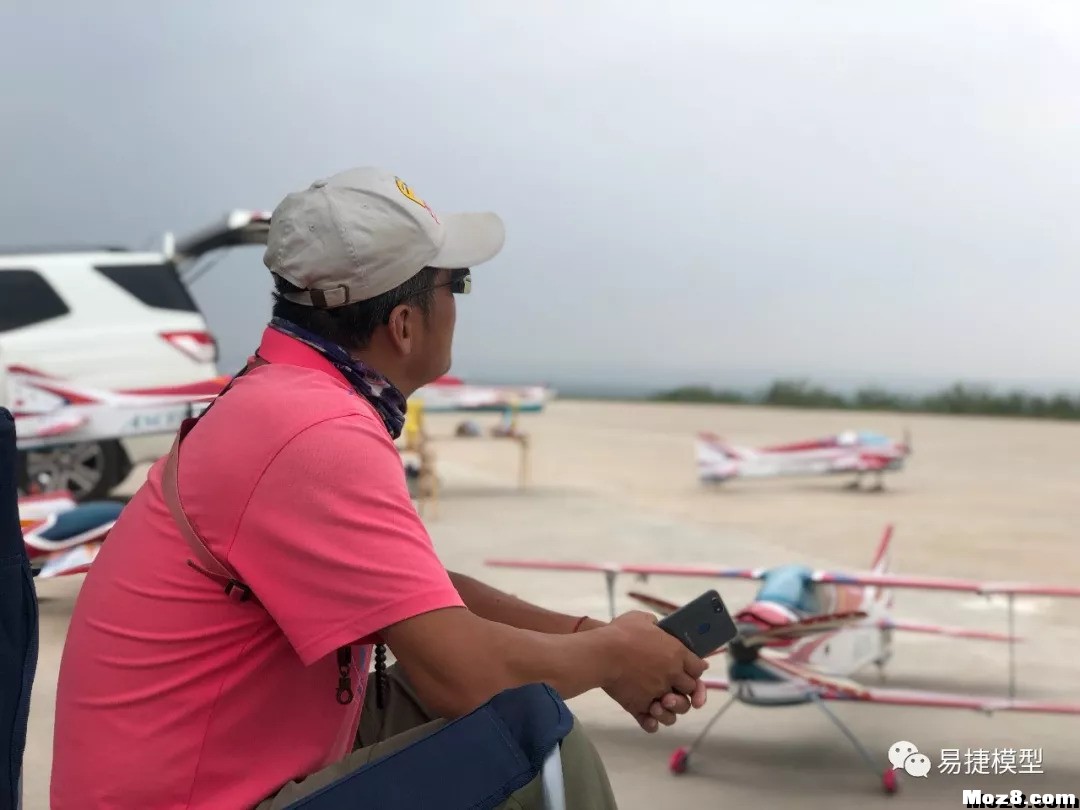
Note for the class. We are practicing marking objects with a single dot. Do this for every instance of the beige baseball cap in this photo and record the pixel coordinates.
(363, 232)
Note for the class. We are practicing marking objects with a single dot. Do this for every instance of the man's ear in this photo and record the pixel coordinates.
(402, 327)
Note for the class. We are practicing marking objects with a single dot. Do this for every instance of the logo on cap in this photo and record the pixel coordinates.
(408, 192)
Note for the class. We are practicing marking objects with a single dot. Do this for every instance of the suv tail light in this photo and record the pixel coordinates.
(199, 346)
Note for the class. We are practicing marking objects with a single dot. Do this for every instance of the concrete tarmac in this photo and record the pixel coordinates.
(982, 498)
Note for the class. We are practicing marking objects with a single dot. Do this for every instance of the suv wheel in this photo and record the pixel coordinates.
(88, 470)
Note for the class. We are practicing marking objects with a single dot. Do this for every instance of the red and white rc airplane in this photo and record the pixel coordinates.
(51, 411)
(852, 452)
(62, 537)
(807, 632)
(449, 393)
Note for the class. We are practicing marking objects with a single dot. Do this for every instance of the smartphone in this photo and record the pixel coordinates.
(703, 625)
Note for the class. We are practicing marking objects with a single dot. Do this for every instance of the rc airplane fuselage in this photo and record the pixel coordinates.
(49, 411)
(808, 632)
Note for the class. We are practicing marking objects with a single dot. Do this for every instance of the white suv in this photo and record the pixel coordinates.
(113, 319)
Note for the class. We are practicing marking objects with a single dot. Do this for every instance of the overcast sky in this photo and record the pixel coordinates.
(721, 192)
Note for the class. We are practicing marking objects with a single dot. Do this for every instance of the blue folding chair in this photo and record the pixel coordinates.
(472, 763)
(18, 625)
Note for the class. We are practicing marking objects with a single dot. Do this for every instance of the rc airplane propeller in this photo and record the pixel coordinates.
(807, 632)
(849, 453)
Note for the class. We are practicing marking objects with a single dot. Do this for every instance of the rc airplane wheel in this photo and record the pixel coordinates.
(888, 781)
(677, 763)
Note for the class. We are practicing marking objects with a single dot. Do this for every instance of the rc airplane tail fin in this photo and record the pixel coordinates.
(880, 565)
(716, 459)
(717, 444)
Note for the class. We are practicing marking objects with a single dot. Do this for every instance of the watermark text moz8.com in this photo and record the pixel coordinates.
(1018, 798)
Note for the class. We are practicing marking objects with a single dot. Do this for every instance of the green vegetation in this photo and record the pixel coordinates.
(957, 399)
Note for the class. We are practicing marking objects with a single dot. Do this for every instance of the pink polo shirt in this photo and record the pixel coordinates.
(171, 695)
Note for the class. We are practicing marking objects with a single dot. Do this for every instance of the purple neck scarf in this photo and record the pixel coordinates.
(369, 383)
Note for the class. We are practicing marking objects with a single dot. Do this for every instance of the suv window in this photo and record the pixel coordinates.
(27, 298)
(156, 285)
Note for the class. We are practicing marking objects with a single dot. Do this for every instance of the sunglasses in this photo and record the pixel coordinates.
(460, 282)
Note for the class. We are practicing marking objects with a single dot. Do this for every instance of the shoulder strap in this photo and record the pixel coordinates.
(235, 588)
(212, 567)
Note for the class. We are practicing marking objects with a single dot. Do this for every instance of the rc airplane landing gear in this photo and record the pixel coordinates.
(888, 777)
(878, 485)
(888, 781)
(680, 756)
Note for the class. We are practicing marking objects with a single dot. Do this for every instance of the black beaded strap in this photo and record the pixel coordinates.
(380, 674)
(344, 689)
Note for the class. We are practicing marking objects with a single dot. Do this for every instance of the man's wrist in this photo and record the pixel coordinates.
(587, 623)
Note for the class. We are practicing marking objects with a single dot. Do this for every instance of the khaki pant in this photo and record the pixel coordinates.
(403, 719)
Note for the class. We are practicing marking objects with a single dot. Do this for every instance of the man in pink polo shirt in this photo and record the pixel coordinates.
(219, 650)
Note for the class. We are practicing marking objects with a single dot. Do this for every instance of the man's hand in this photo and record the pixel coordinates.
(497, 606)
(665, 710)
(653, 672)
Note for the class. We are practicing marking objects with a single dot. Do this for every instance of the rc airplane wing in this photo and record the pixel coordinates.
(612, 570)
(654, 603)
(664, 608)
(864, 579)
(833, 688)
(807, 627)
(943, 584)
(643, 570)
(939, 630)
(786, 632)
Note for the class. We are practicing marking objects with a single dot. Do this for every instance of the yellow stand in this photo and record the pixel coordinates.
(417, 441)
